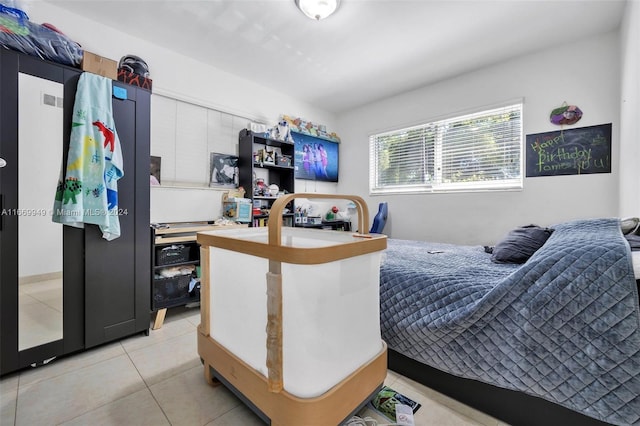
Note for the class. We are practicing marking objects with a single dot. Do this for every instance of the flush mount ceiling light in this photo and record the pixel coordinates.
(317, 9)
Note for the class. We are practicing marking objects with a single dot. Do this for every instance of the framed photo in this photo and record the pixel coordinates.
(155, 170)
(269, 155)
(223, 170)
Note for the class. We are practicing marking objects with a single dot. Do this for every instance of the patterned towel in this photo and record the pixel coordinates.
(88, 192)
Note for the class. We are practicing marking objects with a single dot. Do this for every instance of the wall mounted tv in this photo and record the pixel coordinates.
(315, 158)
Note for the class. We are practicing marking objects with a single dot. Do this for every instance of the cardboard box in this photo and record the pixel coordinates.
(134, 79)
(99, 65)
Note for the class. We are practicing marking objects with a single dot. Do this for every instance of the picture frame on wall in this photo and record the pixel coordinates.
(223, 170)
(154, 178)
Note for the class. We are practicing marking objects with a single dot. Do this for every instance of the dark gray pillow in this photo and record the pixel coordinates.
(629, 225)
(520, 244)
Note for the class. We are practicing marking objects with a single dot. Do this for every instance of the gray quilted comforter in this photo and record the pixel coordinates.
(565, 326)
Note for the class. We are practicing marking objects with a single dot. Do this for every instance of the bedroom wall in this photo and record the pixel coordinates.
(585, 73)
(178, 76)
(630, 111)
(198, 90)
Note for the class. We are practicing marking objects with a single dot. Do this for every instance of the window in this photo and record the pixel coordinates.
(480, 151)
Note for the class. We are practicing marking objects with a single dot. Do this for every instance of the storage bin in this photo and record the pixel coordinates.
(171, 255)
(298, 309)
(169, 292)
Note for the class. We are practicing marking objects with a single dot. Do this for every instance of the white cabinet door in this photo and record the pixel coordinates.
(192, 158)
(163, 135)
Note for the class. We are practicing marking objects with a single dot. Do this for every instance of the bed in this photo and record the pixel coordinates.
(555, 340)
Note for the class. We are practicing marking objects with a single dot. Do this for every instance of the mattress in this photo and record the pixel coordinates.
(331, 313)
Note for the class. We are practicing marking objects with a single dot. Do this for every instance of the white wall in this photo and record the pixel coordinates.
(630, 111)
(584, 74)
(202, 91)
(177, 75)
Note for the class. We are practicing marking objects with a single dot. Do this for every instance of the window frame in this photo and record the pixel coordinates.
(436, 185)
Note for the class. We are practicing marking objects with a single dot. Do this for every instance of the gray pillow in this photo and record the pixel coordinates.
(520, 244)
(629, 225)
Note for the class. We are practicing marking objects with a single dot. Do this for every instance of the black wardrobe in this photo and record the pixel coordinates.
(104, 291)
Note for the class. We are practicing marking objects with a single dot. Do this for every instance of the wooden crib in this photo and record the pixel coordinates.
(290, 317)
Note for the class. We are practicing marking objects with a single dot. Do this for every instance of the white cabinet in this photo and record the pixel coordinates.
(184, 135)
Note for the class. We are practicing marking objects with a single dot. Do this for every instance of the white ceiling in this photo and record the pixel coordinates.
(368, 50)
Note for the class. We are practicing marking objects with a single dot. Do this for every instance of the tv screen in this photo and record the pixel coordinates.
(315, 158)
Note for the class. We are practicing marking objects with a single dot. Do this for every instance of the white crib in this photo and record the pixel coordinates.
(290, 317)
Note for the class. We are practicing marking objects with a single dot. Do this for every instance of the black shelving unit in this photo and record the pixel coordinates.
(252, 166)
(172, 291)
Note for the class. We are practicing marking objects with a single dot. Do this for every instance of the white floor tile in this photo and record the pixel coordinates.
(187, 399)
(167, 358)
(433, 411)
(241, 415)
(139, 409)
(70, 395)
(8, 398)
(70, 363)
(391, 378)
(168, 331)
(158, 380)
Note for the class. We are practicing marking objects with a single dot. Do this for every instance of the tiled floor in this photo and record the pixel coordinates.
(158, 380)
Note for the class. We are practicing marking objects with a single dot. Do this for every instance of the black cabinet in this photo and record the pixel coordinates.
(265, 163)
(104, 285)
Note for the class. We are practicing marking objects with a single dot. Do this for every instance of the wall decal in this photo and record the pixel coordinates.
(566, 114)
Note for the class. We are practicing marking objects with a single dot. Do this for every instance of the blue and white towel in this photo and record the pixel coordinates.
(88, 192)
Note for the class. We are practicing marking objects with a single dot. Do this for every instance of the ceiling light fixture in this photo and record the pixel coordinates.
(317, 9)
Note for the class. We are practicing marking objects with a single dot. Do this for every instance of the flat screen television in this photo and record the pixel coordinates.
(315, 158)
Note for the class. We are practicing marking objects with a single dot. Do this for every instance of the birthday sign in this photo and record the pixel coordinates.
(584, 150)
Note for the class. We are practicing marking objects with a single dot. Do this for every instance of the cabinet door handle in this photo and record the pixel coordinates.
(3, 163)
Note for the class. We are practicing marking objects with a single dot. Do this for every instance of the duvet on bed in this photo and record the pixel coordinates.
(564, 326)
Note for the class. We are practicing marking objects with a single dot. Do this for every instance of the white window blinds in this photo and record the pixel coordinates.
(480, 151)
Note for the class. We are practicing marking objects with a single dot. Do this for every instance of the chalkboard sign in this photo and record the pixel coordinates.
(585, 150)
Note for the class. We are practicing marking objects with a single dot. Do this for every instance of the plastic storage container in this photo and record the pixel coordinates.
(171, 255)
(290, 317)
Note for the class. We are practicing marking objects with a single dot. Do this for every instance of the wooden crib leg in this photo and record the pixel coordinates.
(211, 380)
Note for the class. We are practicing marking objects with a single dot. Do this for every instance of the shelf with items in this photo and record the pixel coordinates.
(175, 261)
(271, 166)
(175, 276)
(335, 225)
(263, 220)
(266, 171)
(264, 197)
